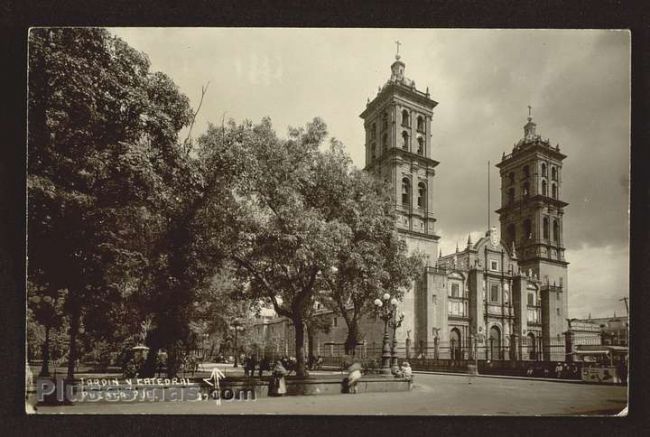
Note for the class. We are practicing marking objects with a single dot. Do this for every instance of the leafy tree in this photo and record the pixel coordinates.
(103, 153)
(285, 238)
(374, 259)
(45, 309)
(195, 241)
(218, 305)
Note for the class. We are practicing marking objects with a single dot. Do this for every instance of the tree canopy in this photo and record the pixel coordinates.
(104, 168)
(136, 225)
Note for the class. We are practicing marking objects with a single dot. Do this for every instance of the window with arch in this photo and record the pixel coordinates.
(531, 299)
(384, 121)
(421, 127)
(420, 146)
(512, 232)
(526, 171)
(373, 131)
(384, 143)
(528, 228)
(405, 118)
(511, 195)
(545, 228)
(511, 177)
(406, 192)
(405, 140)
(554, 173)
(543, 170)
(455, 290)
(544, 189)
(525, 191)
(373, 151)
(554, 191)
(556, 231)
(422, 195)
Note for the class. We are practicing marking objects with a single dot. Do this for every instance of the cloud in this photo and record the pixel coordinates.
(577, 81)
(598, 279)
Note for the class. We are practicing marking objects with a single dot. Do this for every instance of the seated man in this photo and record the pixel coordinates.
(406, 371)
(354, 375)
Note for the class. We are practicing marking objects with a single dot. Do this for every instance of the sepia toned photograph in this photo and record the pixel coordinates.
(327, 221)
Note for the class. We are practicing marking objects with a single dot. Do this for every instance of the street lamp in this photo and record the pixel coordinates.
(386, 307)
(236, 327)
(477, 336)
(395, 323)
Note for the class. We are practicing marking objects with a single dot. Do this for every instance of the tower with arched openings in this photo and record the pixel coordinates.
(531, 217)
(399, 150)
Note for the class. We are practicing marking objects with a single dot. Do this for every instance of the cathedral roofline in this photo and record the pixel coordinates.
(524, 151)
(531, 141)
(392, 88)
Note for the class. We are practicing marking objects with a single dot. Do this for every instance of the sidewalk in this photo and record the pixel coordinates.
(523, 378)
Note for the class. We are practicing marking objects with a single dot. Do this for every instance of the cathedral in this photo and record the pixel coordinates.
(501, 297)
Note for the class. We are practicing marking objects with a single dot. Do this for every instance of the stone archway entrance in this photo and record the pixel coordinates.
(532, 347)
(455, 344)
(495, 343)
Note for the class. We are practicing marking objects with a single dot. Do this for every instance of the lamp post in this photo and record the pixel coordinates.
(236, 327)
(395, 322)
(477, 337)
(385, 308)
(435, 342)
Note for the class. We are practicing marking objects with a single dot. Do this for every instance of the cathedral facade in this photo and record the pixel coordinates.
(502, 297)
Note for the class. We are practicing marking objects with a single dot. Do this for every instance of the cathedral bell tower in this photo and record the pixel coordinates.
(398, 149)
(531, 217)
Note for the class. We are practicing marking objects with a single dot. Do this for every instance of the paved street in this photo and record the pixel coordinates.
(432, 395)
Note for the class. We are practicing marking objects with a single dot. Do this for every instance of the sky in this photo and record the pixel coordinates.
(576, 81)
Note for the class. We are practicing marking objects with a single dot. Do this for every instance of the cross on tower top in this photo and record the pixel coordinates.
(397, 43)
(530, 117)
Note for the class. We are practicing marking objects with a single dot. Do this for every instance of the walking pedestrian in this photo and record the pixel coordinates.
(278, 382)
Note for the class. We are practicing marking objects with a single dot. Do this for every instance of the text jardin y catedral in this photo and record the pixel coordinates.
(134, 381)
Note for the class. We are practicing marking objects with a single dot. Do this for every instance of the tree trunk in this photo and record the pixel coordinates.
(45, 367)
(299, 329)
(75, 315)
(173, 360)
(310, 341)
(148, 369)
(353, 336)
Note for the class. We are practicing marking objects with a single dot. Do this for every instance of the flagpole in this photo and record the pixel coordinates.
(488, 212)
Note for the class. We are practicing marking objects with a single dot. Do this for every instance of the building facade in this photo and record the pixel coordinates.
(503, 297)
